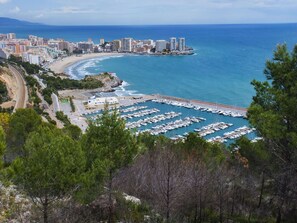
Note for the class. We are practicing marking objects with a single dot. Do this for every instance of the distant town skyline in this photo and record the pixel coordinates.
(134, 12)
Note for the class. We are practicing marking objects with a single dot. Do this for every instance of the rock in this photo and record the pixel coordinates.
(109, 80)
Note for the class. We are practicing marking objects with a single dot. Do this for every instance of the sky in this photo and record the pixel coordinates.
(143, 12)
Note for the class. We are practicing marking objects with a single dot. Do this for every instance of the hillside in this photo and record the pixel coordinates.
(4, 21)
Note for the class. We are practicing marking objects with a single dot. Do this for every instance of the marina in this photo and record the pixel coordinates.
(176, 118)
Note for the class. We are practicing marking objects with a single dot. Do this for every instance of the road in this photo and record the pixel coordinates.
(22, 91)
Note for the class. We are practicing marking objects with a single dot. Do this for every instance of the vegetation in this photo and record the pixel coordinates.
(21, 124)
(3, 92)
(273, 112)
(107, 174)
(33, 87)
(62, 117)
(55, 84)
(58, 83)
(57, 175)
(29, 68)
(109, 143)
(47, 94)
(72, 104)
(8, 110)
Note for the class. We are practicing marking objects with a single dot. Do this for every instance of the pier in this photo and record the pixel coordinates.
(211, 105)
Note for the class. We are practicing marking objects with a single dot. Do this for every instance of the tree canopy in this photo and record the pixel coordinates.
(273, 112)
(51, 168)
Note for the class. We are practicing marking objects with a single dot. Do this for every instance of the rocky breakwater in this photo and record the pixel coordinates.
(109, 81)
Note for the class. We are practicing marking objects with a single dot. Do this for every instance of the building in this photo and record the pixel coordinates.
(173, 44)
(11, 36)
(93, 101)
(31, 58)
(53, 44)
(161, 45)
(4, 54)
(3, 36)
(181, 44)
(102, 41)
(86, 47)
(116, 45)
(126, 45)
(149, 42)
(2, 45)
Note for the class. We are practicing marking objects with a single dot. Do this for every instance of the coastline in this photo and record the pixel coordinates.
(60, 65)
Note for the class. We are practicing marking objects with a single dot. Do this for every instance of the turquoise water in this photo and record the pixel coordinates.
(228, 58)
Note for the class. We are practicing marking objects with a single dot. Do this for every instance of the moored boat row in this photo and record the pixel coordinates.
(154, 119)
(180, 123)
(224, 112)
(140, 113)
(238, 132)
(132, 109)
(212, 128)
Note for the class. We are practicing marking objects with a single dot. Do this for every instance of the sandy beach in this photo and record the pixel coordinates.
(60, 65)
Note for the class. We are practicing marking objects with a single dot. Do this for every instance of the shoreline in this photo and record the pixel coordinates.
(60, 65)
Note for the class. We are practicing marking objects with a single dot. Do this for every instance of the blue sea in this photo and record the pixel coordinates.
(227, 58)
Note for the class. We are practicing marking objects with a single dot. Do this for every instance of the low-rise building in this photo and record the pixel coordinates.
(97, 101)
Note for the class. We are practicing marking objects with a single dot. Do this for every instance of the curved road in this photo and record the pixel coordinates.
(22, 92)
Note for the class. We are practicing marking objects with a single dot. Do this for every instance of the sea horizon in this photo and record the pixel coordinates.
(232, 55)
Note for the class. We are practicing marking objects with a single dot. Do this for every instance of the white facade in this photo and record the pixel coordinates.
(173, 44)
(101, 101)
(160, 45)
(182, 44)
(4, 54)
(127, 44)
(11, 36)
(31, 58)
(34, 59)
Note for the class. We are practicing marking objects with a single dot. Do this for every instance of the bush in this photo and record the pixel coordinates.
(63, 118)
(3, 92)
(72, 104)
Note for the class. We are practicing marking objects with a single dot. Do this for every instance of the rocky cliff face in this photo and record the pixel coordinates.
(109, 80)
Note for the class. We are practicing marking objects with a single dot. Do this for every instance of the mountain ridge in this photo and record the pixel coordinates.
(5, 21)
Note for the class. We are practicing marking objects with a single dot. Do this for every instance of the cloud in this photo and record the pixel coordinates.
(39, 15)
(4, 1)
(73, 10)
(15, 10)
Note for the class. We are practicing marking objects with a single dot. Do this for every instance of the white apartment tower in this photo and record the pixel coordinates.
(11, 36)
(173, 44)
(161, 45)
(181, 44)
(127, 44)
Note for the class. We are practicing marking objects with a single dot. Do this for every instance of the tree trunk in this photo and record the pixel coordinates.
(45, 210)
(110, 204)
(261, 192)
(168, 193)
(200, 203)
(279, 216)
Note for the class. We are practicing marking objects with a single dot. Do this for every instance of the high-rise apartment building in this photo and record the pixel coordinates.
(173, 44)
(127, 45)
(181, 44)
(161, 45)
